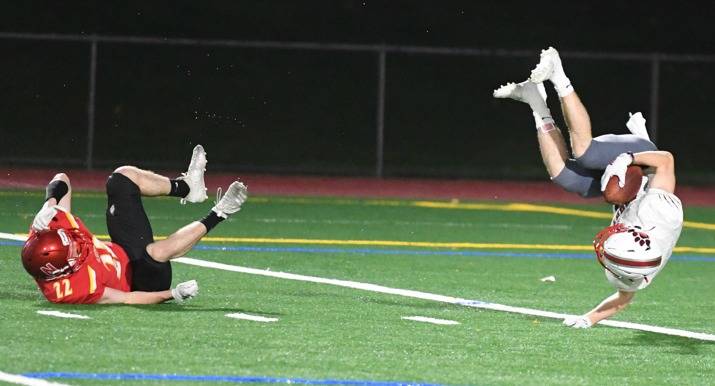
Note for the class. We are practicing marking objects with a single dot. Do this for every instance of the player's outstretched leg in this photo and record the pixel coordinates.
(181, 241)
(575, 114)
(189, 187)
(551, 143)
(532, 94)
(562, 170)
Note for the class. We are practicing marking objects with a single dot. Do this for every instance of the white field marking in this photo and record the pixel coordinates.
(430, 320)
(426, 296)
(255, 318)
(62, 314)
(11, 236)
(438, 298)
(22, 380)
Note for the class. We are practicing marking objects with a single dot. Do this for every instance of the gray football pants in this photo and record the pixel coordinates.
(583, 175)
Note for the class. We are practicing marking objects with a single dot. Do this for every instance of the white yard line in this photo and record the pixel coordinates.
(255, 318)
(22, 380)
(438, 298)
(423, 295)
(60, 314)
(430, 320)
(12, 236)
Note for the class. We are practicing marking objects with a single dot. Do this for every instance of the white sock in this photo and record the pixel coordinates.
(561, 83)
(540, 111)
(539, 108)
(542, 121)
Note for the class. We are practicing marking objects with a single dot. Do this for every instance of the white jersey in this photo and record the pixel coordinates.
(660, 215)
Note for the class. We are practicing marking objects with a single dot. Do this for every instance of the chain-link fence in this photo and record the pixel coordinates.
(346, 109)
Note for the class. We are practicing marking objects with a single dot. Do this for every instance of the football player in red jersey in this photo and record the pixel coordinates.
(644, 231)
(70, 265)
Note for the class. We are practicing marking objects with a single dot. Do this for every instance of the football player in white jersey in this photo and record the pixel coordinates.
(644, 231)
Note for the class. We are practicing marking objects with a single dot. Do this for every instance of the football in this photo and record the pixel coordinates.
(614, 194)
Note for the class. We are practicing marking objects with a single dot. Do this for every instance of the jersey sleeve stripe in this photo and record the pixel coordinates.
(675, 204)
(72, 221)
(92, 280)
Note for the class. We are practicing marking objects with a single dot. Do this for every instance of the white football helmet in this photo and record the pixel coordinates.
(627, 252)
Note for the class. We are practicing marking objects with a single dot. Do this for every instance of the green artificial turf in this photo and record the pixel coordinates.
(329, 332)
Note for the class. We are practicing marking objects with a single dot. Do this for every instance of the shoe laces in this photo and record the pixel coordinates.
(219, 195)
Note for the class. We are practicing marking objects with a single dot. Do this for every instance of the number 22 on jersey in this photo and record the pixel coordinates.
(62, 288)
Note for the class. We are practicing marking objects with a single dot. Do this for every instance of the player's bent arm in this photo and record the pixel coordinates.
(113, 296)
(181, 292)
(610, 306)
(62, 195)
(58, 195)
(664, 165)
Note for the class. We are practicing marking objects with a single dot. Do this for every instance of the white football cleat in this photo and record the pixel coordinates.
(549, 64)
(505, 91)
(636, 125)
(231, 202)
(194, 177)
(521, 92)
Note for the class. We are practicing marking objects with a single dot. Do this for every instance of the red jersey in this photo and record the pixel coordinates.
(110, 268)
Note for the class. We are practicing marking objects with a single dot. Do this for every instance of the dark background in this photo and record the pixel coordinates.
(314, 111)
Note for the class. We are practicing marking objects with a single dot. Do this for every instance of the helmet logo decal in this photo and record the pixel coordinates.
(640, 237)
(63, 236)
(48, 269)
(51, 271)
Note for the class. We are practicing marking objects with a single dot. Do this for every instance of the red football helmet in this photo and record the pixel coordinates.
(54, 253)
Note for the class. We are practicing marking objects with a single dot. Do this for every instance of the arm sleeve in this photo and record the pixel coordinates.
(56, 189)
